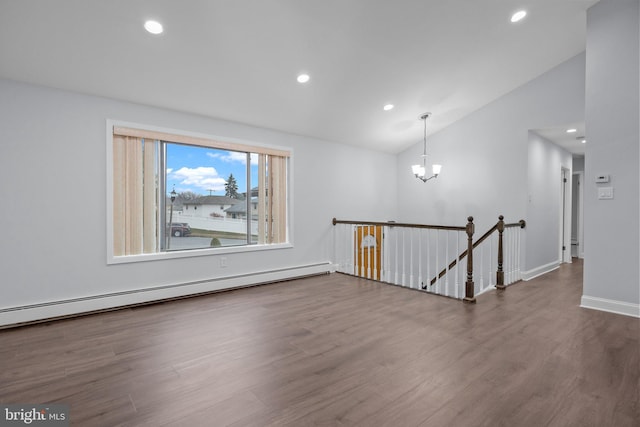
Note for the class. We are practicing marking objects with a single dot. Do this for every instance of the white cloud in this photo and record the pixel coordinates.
(234, 157)
(205, 178)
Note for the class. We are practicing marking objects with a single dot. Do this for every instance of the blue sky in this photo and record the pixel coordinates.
(200, 169)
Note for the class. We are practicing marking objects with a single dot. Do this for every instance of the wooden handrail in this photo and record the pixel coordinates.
(522, 224)
(400, 224)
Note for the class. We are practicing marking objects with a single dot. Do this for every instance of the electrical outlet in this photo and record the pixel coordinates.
(223, 262)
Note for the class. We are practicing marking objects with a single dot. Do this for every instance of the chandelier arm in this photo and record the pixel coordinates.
(423, 179)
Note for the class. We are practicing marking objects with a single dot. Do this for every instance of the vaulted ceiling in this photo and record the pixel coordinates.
(238, 59)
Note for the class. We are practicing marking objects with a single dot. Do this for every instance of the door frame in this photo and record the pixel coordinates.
(578, 177)
(564, 236)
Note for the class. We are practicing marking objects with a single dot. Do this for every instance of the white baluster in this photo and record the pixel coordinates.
(368, 242)
(481, 266)
(518, 243)
(397, 238)
(457, 280)
(359, 253)
(337, 250)
(404, 258)
(438, 290)
(507, 253)
(428, 243)
(446, 262)
(383, 268)
(492, 270)
(376, 275)
(516, 261)
(494, 258)
(420, 278)
(511, 257)
(411, 258)
(338, 247)
(346, 248)
(350, 236)
(513, 260)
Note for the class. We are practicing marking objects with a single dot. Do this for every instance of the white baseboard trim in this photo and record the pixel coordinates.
(485, 290)
(611, 306)
(539, 271)
(74, 306)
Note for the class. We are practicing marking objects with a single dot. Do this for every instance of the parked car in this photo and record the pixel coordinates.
(179, 229)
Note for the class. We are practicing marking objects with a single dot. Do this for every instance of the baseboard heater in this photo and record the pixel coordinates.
(55, 310)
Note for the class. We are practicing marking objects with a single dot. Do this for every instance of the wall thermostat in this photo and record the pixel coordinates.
(602, 179)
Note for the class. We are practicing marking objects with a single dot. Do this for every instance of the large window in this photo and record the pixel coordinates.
(174, 193)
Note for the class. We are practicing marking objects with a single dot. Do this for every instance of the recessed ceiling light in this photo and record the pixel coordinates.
(584, 141)
(572, 130)
(303, 78)
(388, 107)
(154, 27)
(518, 16)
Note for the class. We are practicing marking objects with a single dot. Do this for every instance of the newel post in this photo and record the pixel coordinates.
(469, 285)
(500, 272)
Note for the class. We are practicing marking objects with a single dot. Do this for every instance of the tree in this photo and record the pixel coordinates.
(231, 187)
(187, 195)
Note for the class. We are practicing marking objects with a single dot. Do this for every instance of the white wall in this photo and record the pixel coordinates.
(545, 162)
(485, 155)
(53, 158)
(578, 164)
(205, 211)
(611, 277)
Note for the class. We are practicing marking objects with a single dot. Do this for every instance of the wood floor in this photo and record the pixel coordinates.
(337, 351)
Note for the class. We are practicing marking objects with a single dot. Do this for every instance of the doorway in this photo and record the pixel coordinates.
(565, 216)
(368, 256)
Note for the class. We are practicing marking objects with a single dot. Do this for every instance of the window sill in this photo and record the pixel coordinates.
(194, 253)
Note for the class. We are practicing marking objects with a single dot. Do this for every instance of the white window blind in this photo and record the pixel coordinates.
(135, 196)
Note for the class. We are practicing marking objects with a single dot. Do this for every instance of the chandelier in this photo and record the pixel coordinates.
(420, 171)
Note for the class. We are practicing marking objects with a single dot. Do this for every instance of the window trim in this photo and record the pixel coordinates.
(200, 141)
(205, 140)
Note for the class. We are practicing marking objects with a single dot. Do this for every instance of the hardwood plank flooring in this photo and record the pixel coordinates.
(337, 351)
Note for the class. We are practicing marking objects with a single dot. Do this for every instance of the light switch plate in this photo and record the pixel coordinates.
(605, 193)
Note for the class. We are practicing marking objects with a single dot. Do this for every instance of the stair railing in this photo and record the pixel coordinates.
(405, 255)
(513, 249)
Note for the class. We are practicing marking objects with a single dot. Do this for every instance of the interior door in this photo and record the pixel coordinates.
(368, 254)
